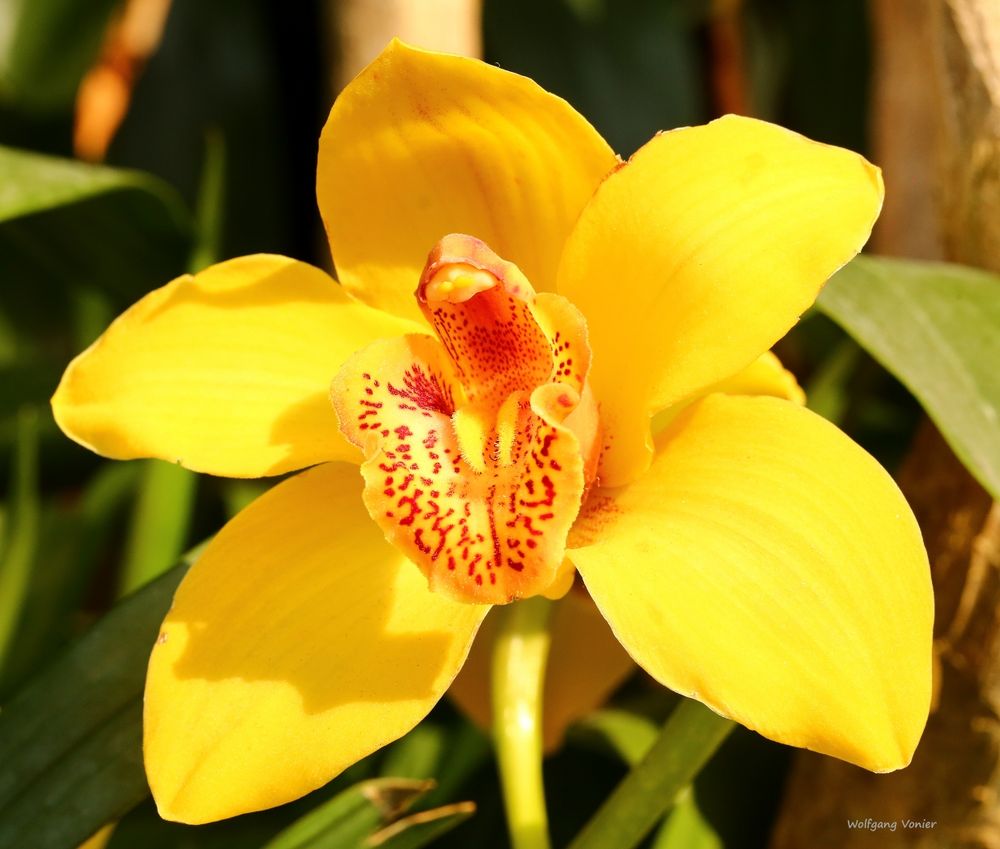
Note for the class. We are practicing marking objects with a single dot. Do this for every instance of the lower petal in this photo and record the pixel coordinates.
(586, 665)
(768, 567)
(299, 643)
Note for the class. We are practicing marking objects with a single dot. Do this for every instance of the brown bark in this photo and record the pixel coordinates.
(937, 131)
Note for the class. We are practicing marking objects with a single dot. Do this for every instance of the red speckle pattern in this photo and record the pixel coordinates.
(483, 505)
(489, 536)
(566, 331)
(495, 344)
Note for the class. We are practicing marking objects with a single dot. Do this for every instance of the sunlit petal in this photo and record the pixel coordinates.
(698, 255)
(298, 643)
(422, 144)
(225, 372)
(770, 568)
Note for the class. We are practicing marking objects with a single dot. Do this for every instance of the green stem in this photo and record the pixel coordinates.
(688, 739)
(519, 657)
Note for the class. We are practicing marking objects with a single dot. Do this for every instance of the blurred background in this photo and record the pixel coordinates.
(217, 108)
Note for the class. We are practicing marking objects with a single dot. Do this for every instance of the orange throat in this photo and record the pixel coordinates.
(480, 444)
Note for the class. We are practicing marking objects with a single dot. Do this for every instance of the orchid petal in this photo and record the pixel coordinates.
(770, 568)
(299, 642)
(423, 144)
(697, 255)
(225, 372)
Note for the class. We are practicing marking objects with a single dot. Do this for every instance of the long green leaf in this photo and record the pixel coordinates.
(160, 522)
(936, 327)
(70, 742)
(418, 830)
(352, 816)
(65, 222)
(689, 738)
(370, 814)
(628, 734)
(45, 48)
(685, 827)
(72, 541)
(21, 537)
(449, 753)
(33, 182)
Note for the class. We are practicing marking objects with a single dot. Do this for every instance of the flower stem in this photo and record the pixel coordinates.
(688, 739)
(518, 677)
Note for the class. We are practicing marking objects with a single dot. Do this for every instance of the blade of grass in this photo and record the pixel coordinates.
(159, 525)
(70, 741)
(74, 538)
(22, 529)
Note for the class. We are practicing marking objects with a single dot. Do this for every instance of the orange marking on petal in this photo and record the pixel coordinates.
(480, 447)
(480, 307)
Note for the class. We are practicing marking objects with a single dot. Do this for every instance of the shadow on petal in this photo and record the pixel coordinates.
(300, 642)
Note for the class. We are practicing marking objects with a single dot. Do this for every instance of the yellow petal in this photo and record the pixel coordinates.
(226, 372)
(698, 255)
(423, 144)
(764, 376)
(299, 642)
(586, 665)
(768, 567)
(100, 838)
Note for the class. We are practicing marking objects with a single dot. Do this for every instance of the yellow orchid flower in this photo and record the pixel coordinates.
(750, 556)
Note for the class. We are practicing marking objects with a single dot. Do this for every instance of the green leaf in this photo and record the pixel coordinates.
(936, 327)
(65, 222)
(210, 203)
(828, 390)
(33, 183)
(160, 522)
(73, 539)
(688, 739)
(685, 827)
(418, 830)
(370, 814)
(70, 741)
(21, 531)
(448, 753)
(351, 816)
(46, 46)
(628, 734)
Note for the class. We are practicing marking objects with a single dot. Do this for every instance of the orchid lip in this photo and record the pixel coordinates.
(479, 443)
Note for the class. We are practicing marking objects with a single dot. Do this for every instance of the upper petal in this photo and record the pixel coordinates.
(298, 643)
(699, 254)
(225, 372)
(768, 567)
(422, 144)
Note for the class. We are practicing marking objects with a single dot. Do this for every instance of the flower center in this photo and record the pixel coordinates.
(481, 443)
